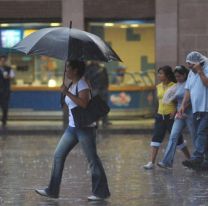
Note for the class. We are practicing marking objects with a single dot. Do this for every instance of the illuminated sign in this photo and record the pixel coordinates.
(10, 37)
(28, 32)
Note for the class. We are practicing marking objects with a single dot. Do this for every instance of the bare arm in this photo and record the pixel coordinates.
(81, 100)
(156, 103)
(185, 102)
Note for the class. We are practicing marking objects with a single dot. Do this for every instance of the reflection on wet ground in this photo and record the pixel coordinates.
(25, 164)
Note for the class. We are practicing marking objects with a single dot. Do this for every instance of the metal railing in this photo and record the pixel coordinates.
(143, 78)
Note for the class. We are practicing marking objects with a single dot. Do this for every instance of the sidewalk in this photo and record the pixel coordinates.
(26, 161)
(26, 122)
(25, 127)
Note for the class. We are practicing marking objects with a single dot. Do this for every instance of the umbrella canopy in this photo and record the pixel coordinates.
(67, 44)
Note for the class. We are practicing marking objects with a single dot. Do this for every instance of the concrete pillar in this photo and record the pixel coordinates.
(73, 10)
(166, 32)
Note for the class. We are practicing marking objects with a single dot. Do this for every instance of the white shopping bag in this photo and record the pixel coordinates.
(169, 95)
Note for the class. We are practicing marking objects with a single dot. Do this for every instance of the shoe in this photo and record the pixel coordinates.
(164, 166)
(4, 127)
(106, 124)
(204, 165)
(43, 192)
(95, 198)
(4, 124)
(192, 163)
(149, 166)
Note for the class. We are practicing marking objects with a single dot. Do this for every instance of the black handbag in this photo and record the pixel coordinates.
(95, 109)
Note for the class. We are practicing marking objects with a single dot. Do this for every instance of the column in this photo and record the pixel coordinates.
(73, 10)
(166, 32)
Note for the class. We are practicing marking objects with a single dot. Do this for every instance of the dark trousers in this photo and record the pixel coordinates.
(4, 104)
(163, 123)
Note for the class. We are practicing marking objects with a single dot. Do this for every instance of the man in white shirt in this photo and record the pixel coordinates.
(197, 91)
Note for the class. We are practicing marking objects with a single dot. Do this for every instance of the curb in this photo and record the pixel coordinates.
(110, 131)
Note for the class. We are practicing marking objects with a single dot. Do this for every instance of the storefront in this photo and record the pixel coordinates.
(146, 35)
(30, 70)
(132, 81)
(134, 41)
(38, 78)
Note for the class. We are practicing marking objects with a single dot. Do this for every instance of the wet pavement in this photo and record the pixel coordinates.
(44, 127)
(25, 164)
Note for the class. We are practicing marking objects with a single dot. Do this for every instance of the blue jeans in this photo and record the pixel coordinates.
(87, 138)
(178, 126)
(201, 134)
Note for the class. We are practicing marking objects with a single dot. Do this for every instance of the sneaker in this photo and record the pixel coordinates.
(106, 124)
(192, 163)
(164, 166)
(94, 198)
(4, 124)
(4, 127)
(204, 165)
(43, 192)
(149, 166)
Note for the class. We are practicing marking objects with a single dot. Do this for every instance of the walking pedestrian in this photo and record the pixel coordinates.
(6, 75)
(97, 76)
(197, 91)
(165, 115)
(180, 122)
(86, 136)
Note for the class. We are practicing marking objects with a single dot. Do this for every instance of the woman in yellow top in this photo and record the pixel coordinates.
(165, 115)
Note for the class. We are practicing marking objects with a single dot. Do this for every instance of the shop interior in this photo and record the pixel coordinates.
(134, 41)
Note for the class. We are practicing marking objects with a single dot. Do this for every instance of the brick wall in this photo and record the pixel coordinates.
(166, 32)
(51, 9)
(29, 10)
(193, 27)
(129, 9)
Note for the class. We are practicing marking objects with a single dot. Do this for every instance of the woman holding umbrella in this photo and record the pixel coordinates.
(86, 136)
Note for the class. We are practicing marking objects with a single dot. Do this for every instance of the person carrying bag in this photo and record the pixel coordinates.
(95, 109)
(78, 95)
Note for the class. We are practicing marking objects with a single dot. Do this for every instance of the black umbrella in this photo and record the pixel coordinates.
(67, 44)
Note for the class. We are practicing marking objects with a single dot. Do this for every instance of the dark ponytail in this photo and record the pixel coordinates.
(168, 72)
(181, 70)
(79, 65)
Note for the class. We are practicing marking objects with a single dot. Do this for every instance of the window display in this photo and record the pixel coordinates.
(28, 32)
(30, 70)
(134, 41)
(10, 37)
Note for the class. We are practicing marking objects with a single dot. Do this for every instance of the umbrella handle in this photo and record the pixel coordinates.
(70, 26)
(64, 74)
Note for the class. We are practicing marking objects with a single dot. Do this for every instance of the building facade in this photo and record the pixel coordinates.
(146, 34)
(128, 26)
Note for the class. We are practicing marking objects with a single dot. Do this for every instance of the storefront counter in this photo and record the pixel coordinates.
(132, 99)
(34, 88)
(35, 98)
(121, 98)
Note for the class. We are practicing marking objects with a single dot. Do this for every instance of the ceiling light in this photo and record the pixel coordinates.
(4, 25)
(134, 25)
(108, 24)
(55, 24)
(123, 26)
